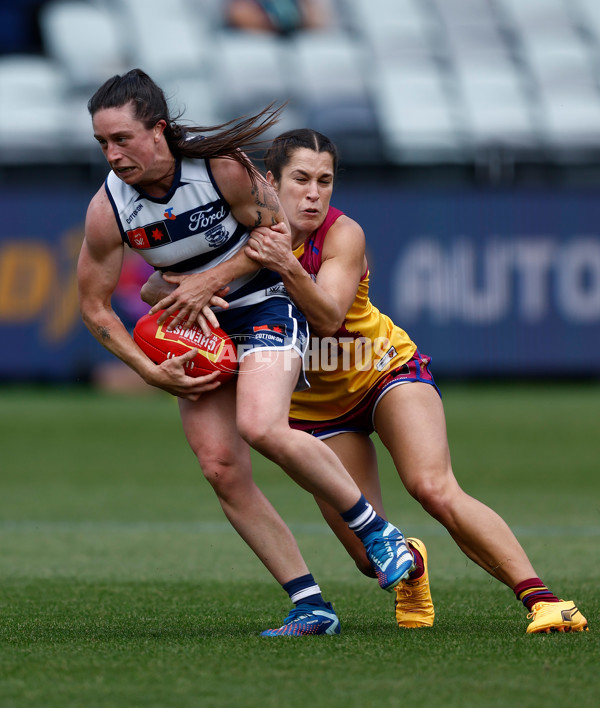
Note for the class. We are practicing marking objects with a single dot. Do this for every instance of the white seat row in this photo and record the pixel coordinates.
(434, 80)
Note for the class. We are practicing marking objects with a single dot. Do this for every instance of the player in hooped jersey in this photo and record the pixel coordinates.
(327, 276)
(186, 202)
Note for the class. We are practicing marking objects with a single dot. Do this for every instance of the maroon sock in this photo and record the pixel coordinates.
(533, 590)
(419, 563)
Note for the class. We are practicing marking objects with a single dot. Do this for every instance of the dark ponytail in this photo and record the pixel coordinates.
(232, 139)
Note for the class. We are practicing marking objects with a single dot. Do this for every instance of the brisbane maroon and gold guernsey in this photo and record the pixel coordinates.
(341, 369)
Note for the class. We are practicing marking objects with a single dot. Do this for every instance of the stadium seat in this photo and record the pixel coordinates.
(587, 14)
(465, 12)
(166, 42)
(571, 119)
(250, 71)
(196, 99)
(559, 61)
(326, 66)
(327, 76)
(494, 98)
(400, 31)
(432, 80)
(32, 114)
(469, 36)
(497, 111)
(533, 14)
(83, 39)
(369, 20)
(207, 12)
(417, 118)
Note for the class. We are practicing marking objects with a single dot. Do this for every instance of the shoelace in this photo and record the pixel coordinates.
(404, 591)
(300, 612)
(386, 543)
(295, 614)
(414, 593)
(540, 609)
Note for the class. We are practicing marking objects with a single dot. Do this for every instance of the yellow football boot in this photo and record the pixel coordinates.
(560, 616)
(414, 606)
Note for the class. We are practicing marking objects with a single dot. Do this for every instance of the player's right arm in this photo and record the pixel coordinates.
(98, 271)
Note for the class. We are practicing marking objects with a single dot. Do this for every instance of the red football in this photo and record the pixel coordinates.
(215, 353)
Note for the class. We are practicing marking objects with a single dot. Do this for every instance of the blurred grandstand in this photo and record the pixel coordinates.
(494, 86)
(470, 144)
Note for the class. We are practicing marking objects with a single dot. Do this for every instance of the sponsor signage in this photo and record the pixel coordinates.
(484, 282)
(488, 282)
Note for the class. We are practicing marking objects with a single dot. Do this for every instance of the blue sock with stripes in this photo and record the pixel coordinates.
(363, 519)
(304, 590)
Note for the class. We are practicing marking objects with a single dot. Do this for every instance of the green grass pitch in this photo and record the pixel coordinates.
(121, 583)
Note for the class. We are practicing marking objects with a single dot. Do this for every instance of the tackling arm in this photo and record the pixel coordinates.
(252, 204)
(325, 301)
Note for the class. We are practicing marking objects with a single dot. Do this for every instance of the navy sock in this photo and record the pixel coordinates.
(304, 590)
(363, 519)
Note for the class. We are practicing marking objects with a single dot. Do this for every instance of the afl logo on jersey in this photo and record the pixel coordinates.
(149, 236)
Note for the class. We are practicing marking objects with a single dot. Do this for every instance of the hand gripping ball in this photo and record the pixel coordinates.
(215, 352)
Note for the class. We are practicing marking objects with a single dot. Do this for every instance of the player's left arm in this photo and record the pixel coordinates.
(253, 202)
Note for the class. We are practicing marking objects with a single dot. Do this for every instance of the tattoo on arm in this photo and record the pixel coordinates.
(258, 220)
(265, 197)
(104, 333)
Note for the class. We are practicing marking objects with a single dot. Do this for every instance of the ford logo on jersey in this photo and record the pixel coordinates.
(208, 216)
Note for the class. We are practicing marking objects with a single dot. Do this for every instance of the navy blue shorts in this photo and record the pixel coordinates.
(274, 323)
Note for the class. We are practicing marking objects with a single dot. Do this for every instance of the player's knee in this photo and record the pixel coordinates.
(223, 472)
(261, 435)
(435, 494)
(253, 432)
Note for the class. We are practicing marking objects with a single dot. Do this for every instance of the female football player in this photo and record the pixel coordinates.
(321, 260)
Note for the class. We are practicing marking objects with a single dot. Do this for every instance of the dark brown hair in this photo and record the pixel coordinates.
(150, 106)
(283, 147)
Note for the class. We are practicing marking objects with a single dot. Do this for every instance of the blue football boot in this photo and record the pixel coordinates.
(389, 556)
(305, 620)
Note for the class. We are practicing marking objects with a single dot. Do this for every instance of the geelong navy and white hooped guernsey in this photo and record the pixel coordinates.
(188, 230)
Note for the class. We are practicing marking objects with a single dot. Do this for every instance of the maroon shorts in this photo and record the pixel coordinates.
(360, 418)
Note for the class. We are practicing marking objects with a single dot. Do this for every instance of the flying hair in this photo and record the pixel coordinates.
(233, 139)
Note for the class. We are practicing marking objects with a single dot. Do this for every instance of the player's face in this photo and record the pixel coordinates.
(305, 189)
(130, 148)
